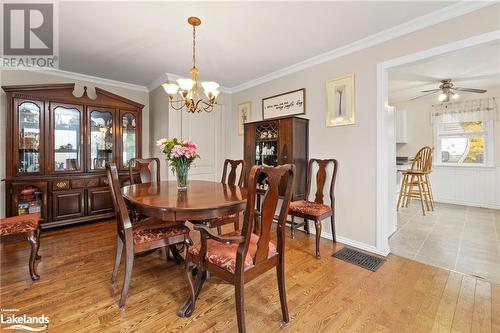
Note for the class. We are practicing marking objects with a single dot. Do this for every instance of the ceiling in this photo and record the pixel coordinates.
(474, 67)
(238, 41)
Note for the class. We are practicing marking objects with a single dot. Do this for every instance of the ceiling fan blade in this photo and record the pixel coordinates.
(432, 90)
(430, 93)
(479, 91)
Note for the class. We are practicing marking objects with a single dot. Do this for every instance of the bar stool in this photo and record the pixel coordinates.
(416, 182)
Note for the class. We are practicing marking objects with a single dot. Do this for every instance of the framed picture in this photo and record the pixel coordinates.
(244, 115)
(284, 105)
(340, 101)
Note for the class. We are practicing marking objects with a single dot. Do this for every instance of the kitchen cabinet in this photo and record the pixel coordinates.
(401, 124)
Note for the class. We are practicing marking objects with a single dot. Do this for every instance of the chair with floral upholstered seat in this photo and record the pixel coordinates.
(316, 210)
(141, 236)
(228, 178)
(239, 257)
(25, 224)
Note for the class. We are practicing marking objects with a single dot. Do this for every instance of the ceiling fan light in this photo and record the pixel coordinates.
(170, 88)
(185, 84)
(442, 97)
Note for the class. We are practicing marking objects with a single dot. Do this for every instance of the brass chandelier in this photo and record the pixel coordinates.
(188, 88)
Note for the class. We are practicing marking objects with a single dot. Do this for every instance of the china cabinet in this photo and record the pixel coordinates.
(279, 141)
(57, 149)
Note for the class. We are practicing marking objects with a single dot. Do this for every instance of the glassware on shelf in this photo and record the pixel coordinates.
(29, 137)
(128, 138)
(67, 150)
(266, 153)
(101, 139)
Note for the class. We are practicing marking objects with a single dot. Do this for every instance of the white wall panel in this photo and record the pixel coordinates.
(467, 186)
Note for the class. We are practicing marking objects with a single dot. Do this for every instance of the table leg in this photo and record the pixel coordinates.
(177, 256)
(188, 307)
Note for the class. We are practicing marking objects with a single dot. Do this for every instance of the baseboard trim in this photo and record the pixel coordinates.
(353, 243)
(466, 203)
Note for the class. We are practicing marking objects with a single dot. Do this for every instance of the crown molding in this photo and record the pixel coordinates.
(174, 77)
(418, 23)
(93, 79)
(447, 13)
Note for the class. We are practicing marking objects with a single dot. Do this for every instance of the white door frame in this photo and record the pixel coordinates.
(386, 151)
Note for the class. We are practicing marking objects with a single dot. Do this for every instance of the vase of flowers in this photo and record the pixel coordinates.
(180, 155)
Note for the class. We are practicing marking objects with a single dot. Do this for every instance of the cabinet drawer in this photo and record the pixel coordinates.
(84, 182)
(68, 204)
(99, 201)
(60, 185)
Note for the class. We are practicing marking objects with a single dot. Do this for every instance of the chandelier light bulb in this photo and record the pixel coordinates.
(455, 96)
(170, 88)
(186, 84)
(442, 97)
(210, 88)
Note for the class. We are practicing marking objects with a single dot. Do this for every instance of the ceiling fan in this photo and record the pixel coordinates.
(447, 90)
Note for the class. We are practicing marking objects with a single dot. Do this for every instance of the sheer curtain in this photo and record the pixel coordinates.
(483, 109)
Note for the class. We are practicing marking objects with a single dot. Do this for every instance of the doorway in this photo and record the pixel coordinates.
(391, 223)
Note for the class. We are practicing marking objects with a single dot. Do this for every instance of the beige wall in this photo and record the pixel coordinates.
(355, 146)
(11, 77)
(420, 132)
(158, 125)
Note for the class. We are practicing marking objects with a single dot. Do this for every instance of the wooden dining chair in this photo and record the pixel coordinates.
(143, 165)
(316, 210)
(25, 224)
(239, 257)
(143, 235)
(229, 178)
(416, 181)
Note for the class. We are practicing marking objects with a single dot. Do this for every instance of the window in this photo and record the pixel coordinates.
(463, 143)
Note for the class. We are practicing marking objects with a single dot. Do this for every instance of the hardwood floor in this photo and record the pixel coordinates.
(326, 295)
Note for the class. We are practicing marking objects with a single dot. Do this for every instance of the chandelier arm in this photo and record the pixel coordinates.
(208, 107)
(177, 108)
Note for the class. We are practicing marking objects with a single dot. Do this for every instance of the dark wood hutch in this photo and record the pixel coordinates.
(279, 141)
(57, 149)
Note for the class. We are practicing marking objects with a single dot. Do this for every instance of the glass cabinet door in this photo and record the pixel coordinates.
(101, 139)
(29, 131)
(67, 138)
(129, 139)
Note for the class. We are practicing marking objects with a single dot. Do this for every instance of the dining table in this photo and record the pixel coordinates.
(203, 200)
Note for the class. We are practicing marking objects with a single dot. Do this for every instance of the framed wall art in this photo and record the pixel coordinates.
(340, 101)
(244, 115)
(284, 105)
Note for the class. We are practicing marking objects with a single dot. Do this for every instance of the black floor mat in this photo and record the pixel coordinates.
(359, 258)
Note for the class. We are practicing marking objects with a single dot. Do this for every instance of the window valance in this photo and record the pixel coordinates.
(483, 109)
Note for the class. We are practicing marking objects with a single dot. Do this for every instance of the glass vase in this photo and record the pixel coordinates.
(181, 172)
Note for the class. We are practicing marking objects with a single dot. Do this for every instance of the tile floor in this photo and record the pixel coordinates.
(460, 238)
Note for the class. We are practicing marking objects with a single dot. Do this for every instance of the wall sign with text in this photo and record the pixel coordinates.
(284, 105)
